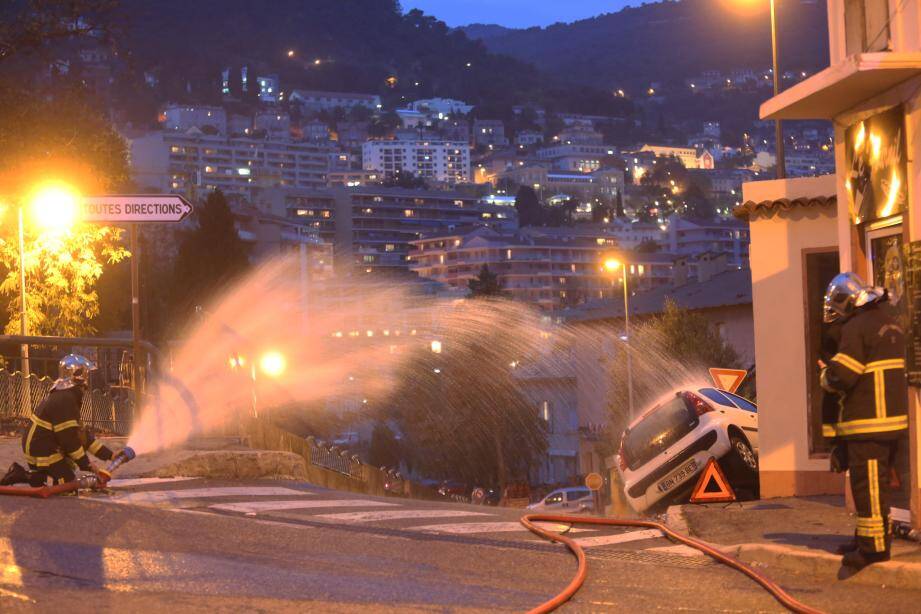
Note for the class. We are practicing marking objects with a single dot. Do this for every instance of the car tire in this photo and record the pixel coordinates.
(745, 465)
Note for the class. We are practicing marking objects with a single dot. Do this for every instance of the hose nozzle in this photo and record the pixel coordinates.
(117, 461)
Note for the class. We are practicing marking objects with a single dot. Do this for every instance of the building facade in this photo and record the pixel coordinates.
(192, 162)
(444, 161)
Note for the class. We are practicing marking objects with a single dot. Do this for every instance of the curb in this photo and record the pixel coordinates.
(827, 566)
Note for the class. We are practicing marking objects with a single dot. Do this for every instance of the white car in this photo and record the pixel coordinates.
(575, 499)
(662, 451)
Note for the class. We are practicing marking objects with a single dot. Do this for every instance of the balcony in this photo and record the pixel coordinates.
(832, 91)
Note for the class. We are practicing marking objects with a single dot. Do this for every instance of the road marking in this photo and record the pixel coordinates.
(495, 527)
(272, 506)
(620, 538)
(125, 482)
(395, 515)
(153, 497)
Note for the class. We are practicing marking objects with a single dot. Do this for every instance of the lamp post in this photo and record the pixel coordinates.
(611, 265)
(779, 164)
(54, 208)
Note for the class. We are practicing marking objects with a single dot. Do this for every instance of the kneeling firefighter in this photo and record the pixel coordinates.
(868, 372)
(56, 442)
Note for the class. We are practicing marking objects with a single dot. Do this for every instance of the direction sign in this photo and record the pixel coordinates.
(594, 481)
(728, 379)
(135, 208)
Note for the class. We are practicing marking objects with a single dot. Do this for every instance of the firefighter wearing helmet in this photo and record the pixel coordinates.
(55, 443)
(868, 371)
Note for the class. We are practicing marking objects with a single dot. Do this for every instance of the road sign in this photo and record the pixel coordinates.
(728, 379)
(594, 481)
(713, 487)
(135, 208)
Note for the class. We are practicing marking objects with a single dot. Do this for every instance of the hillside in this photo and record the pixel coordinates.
(668, 41)
(345, 45)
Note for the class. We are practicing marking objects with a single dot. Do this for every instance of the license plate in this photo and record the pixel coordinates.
(679, 476)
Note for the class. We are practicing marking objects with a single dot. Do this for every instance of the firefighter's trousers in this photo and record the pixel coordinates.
(868, 462)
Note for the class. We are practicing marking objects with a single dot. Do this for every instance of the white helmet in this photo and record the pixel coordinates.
(846, 293)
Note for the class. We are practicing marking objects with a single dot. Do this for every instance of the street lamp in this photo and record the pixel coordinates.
(273, 364)
(53, 207)
(611, 265)
(779, 164)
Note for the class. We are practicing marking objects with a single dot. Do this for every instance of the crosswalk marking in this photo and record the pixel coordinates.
(273, 506)
(396, 515)
(494, 527)
(152, 497)
(126, 482)
(679, 549)
(619, 538)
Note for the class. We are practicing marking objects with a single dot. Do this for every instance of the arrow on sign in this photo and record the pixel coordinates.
(135, 208)
(728, 379)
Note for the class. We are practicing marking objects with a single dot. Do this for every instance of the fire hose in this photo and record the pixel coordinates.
(85, 482)
(528, 521)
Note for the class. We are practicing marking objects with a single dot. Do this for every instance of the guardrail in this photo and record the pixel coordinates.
(335, 459)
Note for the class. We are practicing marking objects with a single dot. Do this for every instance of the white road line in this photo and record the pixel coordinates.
(153, 497)
(494, 527)
(620, 538)
(273, 506)
(125, 482)
(395, 515)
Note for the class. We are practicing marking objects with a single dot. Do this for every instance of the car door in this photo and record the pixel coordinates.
(741, 412)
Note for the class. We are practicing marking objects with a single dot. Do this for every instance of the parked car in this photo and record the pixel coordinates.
(662, 451)
(575, 499)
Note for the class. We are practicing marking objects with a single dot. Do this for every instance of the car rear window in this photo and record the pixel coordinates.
(661, 428)
(742, 403)
(572, 495)
(716, 396)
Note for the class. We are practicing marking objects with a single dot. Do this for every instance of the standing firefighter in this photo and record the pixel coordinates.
(55, 443)
(869, 373)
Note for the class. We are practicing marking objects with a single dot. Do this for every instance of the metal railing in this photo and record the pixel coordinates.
(336, 460)
(108, 411)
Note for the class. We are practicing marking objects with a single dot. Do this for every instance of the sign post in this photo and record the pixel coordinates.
(134, 209)
(594, 482)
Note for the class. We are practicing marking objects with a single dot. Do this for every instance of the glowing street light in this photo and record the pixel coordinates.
(436, 347)
(290, 53)
(611, 266)
(273, 363)
(53, 207)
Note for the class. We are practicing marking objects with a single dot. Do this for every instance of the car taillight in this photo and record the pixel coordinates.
(694, 402)
(622, 459)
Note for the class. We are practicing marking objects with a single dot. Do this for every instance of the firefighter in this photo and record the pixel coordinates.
(55, 443)
(868, 371)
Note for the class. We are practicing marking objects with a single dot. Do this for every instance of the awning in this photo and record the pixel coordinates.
(843, 86)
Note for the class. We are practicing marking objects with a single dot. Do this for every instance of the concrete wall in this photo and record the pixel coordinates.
(778, 241)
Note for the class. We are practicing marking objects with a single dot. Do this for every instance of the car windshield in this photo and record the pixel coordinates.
(572, 495)
(661, 428)
(554, 497)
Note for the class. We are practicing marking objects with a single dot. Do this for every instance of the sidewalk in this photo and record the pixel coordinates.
(796, 534)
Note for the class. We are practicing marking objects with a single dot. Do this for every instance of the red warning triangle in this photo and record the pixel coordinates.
(712, 486)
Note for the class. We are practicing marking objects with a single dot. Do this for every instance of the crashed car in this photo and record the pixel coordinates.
(663, 451)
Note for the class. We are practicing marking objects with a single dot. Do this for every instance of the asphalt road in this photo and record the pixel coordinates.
(204, 545)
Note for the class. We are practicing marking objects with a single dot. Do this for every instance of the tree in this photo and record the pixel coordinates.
(528, 206)
(33, 24)
(210, 256)
(648, 246)
(41, 138)
(486, 283)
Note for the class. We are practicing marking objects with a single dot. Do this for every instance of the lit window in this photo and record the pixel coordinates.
(508, 254)
(324, 213)
(389, 247)
(408, 212)
(545, 410)
(209, 169)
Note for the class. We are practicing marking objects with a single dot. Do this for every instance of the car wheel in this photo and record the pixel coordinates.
(744, 453)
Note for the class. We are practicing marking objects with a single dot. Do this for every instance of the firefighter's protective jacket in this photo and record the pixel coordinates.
(869, 369)
(56, 433)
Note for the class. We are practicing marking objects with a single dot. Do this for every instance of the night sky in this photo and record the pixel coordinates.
(514, 13)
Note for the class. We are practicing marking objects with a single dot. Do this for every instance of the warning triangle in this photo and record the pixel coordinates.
(712, 486)
(727, 379)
